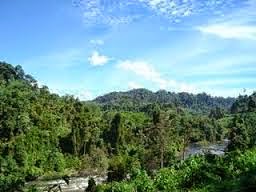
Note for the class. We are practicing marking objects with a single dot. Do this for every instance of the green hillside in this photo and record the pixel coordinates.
(138, 99)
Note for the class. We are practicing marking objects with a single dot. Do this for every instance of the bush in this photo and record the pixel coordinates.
(143, 183)
(117, 170)
(167, 180)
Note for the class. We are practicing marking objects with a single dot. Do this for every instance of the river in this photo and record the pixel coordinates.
(76, 184)
(217, 149)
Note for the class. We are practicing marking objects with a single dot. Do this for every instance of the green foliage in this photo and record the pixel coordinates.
(116, 133)
(143, 182)
(11, 178)
(244, 104)
(121, 166)
(167, 180)
(96, 160)
(130, 136)
(239, 134)
(117, 187)
(141, 99)
(217, 113)
(232, 172)
(34, 125)
(32, 189)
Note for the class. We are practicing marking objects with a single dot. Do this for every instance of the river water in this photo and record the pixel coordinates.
(216, 149)
(76, 184)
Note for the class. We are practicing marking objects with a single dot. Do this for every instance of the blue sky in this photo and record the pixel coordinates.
(91, 47)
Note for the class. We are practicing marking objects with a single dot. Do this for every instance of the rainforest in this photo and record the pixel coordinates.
(127, 96)
(136, 140)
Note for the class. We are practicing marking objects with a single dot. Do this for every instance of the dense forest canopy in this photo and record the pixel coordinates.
(244, 104)
(138, 98)
(137, 138)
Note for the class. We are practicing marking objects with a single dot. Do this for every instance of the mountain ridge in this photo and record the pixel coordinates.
(142, 96)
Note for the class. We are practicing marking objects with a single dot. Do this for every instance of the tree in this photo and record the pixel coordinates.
(239, 138)
(161, 136)
(216, 113)
(117, 170)
(251, 104)
(115, 134)
(186, 131)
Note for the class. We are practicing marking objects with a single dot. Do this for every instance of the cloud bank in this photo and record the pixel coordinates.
(146, 71)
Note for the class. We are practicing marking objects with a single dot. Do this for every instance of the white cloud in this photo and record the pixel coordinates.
(82, 94)
(107, 12)
(230, 31)
(134, 85)
(96, 59)
(238, 23)
(97, 42)
(116, 12)
(228, 92)
(147, 72)
(143, 69)
(172, 9)
(140, 68)
(177, 9)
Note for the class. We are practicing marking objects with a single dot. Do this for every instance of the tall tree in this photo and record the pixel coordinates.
(239, 138)
(115, 134)
(186, 130)
(252, 104)
(161, 135)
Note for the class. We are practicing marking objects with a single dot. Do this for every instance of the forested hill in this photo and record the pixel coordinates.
(9, 73)
(138, 98)
(244, 104)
